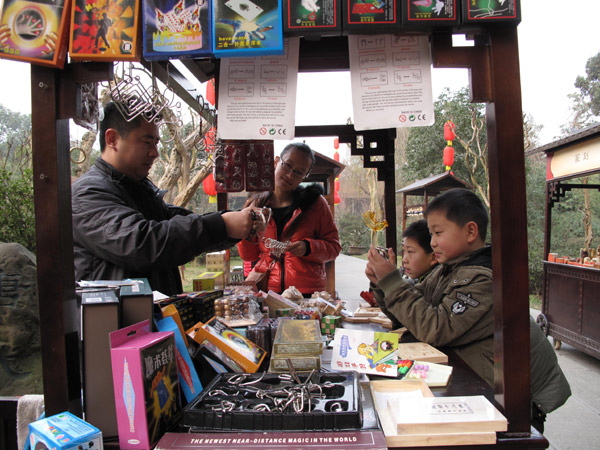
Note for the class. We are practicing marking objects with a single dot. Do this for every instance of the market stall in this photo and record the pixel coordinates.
(494, 76)
(570, 308)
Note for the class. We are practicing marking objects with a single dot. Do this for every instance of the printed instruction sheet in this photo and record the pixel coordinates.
(257, 95)
(391, 81)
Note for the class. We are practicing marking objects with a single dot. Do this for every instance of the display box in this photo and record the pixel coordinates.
(105, 31)
(35, 31)
(203, 304)
(243, 351)
(137, 301)
(207, 281)
(275, 301)
(188, 377)
(298, 337)
(370, 16)
(312, 18)
(478, 12)
(247, 28)
(64, 431)
(426, 16)
(100, 315)
(177, 28)
(366, 351)
(146, 385)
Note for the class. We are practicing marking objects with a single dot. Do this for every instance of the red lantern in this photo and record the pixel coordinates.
(336, 143)
(209, 185)
(336, 185)
(209, 140)
(336, 198)
(448, 157)
(336, 156)
(210, 91)
(449, 128)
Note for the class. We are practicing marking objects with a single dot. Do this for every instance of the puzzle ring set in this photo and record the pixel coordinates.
(260, 219)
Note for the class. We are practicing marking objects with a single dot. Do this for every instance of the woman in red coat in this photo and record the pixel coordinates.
(302, 219)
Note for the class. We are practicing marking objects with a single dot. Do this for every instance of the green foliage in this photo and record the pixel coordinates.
(353, 231)
(585, 104)
(535, 168)
(16, 203)
(15, 140)
(425, 146)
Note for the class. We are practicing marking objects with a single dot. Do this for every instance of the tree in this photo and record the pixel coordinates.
(15, 141)
(585, 103)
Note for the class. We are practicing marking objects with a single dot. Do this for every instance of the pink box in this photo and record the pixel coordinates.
(146, 386)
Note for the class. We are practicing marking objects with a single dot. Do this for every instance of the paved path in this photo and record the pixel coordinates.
(573, 426)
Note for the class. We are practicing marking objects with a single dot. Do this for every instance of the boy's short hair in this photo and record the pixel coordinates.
(461, 206)
(419, 232)
(114, 119)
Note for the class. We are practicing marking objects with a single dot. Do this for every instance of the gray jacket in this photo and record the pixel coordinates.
(122, 228)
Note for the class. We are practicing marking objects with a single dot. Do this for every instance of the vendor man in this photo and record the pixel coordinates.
(122, 228)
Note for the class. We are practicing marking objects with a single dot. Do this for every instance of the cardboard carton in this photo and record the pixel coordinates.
(64, 431)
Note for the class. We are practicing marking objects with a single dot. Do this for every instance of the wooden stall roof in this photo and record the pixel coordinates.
(589, 133)
(324, 167)
(434, 184)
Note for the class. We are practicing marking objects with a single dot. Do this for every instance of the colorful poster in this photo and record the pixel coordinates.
(365, 351)
(390, 77)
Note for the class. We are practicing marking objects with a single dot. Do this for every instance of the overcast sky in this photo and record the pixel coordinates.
(556, 38)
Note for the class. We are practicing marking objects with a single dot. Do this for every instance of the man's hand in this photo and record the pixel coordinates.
(378, 266)
(238, 223)
(297, 248)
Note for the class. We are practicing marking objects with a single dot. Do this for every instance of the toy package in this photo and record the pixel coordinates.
(105, 30)
(428, 15)
(312, 18)
(35, 31)
(506, 12)
(365, 351)
(175, 28)
(370, 16)
(146, 385)
(64, 431)
(247, 28)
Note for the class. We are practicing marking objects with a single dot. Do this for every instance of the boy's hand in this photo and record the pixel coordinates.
(370, 274)
(378, 265)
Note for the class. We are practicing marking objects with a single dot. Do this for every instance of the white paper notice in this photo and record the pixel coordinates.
(391, 81)
(257, 96)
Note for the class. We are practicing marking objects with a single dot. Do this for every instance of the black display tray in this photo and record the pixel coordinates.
(229, 402)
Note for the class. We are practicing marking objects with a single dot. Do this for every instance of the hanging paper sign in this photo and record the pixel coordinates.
(257, 96)
(391, 81)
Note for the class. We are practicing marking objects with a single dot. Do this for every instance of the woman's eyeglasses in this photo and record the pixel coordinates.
(288, 168)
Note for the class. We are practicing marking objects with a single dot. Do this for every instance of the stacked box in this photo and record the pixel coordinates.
(183, 305)
(237, 275)
(284, 312)
(247, 28)
(330, 323)
(312, 18)
(203, 304)
(208, 281)
(35, 31)
(425, 16)
(105, 31)
(219, 262)
(298, 341)
(370, 16)
(64, 431)
(478, 12)
(176, 28)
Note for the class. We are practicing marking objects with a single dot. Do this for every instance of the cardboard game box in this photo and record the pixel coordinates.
(365, 351)
(208, 281)
(507, 12)
(176, 28)
(108, 30)
(100, 311)
(243, 351)
(64, 431)
(137, 302)
(370, 16)
(146, 385)
(430, 15)
(35, 31)
(312, 18)
(247, 28)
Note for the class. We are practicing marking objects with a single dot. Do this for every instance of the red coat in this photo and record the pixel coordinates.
(311, 221)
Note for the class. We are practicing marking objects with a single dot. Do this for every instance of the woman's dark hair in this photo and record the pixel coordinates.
(302, 147)
(419, 232)
(461, 206)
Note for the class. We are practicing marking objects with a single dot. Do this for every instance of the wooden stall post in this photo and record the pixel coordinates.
(506, 162)
(54, 240)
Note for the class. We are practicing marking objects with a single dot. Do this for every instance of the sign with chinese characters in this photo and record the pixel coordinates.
(257, 96)
(576, 159)
(391, 81)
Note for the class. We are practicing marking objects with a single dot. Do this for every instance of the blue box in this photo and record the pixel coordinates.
(64, 431)
(176, 28)
(247, 28)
